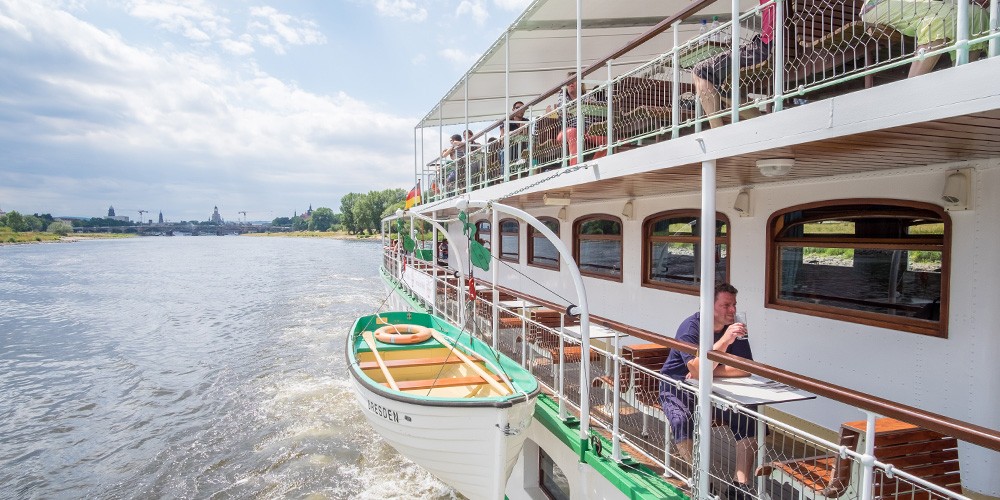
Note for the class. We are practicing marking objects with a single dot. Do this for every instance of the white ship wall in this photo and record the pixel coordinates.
(958, 377)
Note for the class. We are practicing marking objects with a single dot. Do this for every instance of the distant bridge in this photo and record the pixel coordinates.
(190, 229)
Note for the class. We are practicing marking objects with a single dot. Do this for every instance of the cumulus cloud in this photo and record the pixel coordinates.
(402, 9)
(83, 103)
(275, 30)
(513, 5)
(475, 9)
(193, 19)
(459, 56)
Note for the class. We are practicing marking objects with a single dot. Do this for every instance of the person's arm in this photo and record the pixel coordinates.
(732, 333)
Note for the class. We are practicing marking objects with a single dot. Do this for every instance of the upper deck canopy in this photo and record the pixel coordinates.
(542, 45)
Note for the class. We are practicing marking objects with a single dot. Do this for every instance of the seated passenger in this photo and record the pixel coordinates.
(710, 75)
(679, 405)
(567, 96)
(513, 125)
(931, 22)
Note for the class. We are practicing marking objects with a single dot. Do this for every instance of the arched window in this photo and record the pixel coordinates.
(882, 263)
(510, 240)
(483, 232)
(541, 251)
(597, 246)
(671, 249)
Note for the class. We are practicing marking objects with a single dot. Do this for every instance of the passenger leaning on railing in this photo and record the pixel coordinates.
(711, 74)
(567, 96)
(513, 125)
(679, 405)
(932, 23)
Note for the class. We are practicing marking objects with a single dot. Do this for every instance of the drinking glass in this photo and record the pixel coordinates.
(741, 317)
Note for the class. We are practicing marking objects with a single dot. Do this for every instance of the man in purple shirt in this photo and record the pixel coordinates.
(678, 405)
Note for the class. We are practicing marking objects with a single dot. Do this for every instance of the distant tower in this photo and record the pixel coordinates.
(216, 217)
(111, 211)
(161, 217)
(310, 212)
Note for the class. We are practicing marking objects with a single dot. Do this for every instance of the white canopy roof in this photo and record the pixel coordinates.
(542, 45)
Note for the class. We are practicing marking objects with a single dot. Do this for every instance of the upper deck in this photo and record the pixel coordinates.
(841, 103)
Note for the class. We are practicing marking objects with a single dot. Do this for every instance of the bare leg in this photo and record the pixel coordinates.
(710, 100)
(922, 67)
(746, 451)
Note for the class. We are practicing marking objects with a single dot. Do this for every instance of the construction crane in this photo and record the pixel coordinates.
(244, 216)
(140, 214)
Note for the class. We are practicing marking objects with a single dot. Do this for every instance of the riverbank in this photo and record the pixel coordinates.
(28, 237)
(337, 235)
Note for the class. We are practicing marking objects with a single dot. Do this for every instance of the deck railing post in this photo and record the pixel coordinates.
(467, 142)
(611, 111)
(565, 135)
(506, 102)
(734, 75)
(562, 373)
(434, 261)
(994, 28)
(675, 87)
(531, 143)
(868, 459)
(703, 437)
(495, 251)
(616, 441)
(962, 32)
(779, 54)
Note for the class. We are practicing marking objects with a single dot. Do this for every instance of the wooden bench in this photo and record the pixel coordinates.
(639, 389)
(414, 362)
(405, 385)
(923, 453)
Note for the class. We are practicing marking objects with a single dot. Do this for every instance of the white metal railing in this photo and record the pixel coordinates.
(625, 397)
(816, 48)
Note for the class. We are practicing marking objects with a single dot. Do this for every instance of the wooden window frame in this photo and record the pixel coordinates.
(621, 244)
(517, 234)
(647, 254)
(904, 324)
(531, 244)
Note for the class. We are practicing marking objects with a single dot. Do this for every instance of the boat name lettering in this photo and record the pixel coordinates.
(383, 411)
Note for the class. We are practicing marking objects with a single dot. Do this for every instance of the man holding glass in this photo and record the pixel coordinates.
(679, 405)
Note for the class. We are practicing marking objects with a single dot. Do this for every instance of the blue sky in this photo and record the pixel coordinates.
(181, 105)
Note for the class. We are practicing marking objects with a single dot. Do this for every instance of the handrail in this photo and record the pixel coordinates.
(972, 433)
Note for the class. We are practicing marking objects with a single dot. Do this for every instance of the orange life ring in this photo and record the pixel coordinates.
(403, 334)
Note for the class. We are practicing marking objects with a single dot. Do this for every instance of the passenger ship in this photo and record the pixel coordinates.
(854, 189)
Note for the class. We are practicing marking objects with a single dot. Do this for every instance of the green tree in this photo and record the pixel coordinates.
(34, 222)
(281, 221)
(60, 227)
(15, 221)
(347, 215)
(299, 224)
(321, 220)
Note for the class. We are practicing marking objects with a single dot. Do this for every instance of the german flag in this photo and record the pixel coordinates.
(413, 197)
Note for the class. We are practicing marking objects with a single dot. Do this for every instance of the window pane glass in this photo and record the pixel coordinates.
(828, 228)
(679, 263)
(682, 226)
(552, 479)
(936, 229)
(553, 225)
(508, 246)
(544, 253)
(903, 283)
(508, 226)
(601, 226)
(600, 257)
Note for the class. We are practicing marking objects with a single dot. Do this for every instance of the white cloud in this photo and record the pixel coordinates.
(512, 5)
(192, 19)
(403, 9)
(473, 8)
(275, 30)
(459, 56)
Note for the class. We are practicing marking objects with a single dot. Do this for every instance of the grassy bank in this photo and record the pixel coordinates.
(12, 238)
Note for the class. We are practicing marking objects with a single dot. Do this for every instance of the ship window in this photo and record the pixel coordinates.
(541, 251)
(671, 250)
(483, 234)
(879, 262)
(551, 479)
(598, 246)
(510, 240)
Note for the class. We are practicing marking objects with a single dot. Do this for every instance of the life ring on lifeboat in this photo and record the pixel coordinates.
(402, 334)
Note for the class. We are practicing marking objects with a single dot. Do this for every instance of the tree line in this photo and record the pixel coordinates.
(16, 222)
(364, 212)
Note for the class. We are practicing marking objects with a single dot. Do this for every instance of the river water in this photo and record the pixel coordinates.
(189, 367)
